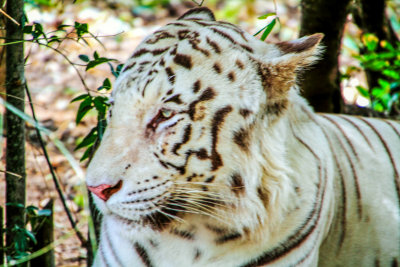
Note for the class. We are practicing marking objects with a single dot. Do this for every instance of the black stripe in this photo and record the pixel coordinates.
(214, 45)
(183, 60)
(208, 94)
(305, 230)
(130, 66)
(194, 45)
(218, 120)
(339, 127)
(237, 184)
(351, 163)
(232, 27)
(226, 238)
(144, 256)
(175, 98)
(344, 194)
(396, 172)
(196, 86)
(358, 128)
(228, 37)
(390, 123)
(171, 75)
(186, 136)
(154, 52)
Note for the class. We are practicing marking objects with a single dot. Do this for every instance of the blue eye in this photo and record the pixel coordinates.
(166, 113)
(162, 115)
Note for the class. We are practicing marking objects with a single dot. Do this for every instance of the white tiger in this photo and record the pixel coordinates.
(211, 158)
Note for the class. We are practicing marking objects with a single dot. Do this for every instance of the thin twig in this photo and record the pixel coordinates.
(8, 16)
(14, 174)
(71, 63)
(53, 174)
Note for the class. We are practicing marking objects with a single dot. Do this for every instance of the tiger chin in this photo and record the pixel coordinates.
(212, 158)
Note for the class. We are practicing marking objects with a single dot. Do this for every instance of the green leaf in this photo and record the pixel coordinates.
(84, 58)
(100, 103)
(16, 205)
(391, 73)
(62, 26)
(84, 108)
(370, 41)
(28, 29)
(95, 55)
(96, 62)
(106, 85)
(384, 84)
(377, 92)
(44, 212)
(377, 106)
(117, 71)
(31, 208)
(86, 154)
(267, 15)
(54, 38)
(268, 29)
(88, 140)
(80, 97)
(81, 28)
(30, 235)
(363, 91)
(79, 201)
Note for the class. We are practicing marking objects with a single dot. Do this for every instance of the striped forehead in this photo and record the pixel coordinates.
(163, 60)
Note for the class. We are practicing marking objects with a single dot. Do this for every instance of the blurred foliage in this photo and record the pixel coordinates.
(383, 58)
(22, 245)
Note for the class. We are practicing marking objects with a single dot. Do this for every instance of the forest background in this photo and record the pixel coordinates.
(72, 52)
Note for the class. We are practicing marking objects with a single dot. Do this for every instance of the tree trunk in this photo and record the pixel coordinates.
(15, 126)
(321, 84)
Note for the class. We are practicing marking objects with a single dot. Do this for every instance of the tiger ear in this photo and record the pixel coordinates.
(200, 13)
(279, 74)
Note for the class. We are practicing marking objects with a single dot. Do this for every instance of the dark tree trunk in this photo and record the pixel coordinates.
(45, 237)
(321, 84)
(15, 126)
(370, 16)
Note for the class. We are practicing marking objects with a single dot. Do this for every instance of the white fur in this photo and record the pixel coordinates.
(297, 160)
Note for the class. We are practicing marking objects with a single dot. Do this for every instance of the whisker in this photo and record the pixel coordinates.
(202, 211)
(171, 216)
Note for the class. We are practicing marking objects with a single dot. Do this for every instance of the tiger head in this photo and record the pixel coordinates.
(195, 127)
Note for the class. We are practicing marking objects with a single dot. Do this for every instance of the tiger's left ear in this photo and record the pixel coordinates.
(200, 13)
(279, 73)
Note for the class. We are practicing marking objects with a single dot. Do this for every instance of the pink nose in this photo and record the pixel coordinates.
(105, 191)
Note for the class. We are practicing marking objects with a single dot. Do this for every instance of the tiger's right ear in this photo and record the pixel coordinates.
(200, 13)
(278, 74)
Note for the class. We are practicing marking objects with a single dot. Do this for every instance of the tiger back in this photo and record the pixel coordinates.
(212, 158)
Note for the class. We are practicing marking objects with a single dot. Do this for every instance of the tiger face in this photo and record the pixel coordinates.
(186, 129)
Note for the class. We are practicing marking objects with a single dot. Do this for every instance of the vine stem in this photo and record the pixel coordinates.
(83, 241)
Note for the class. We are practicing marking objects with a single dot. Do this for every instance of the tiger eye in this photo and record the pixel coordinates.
(166, 113)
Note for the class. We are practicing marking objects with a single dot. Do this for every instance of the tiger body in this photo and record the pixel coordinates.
(211, 158)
